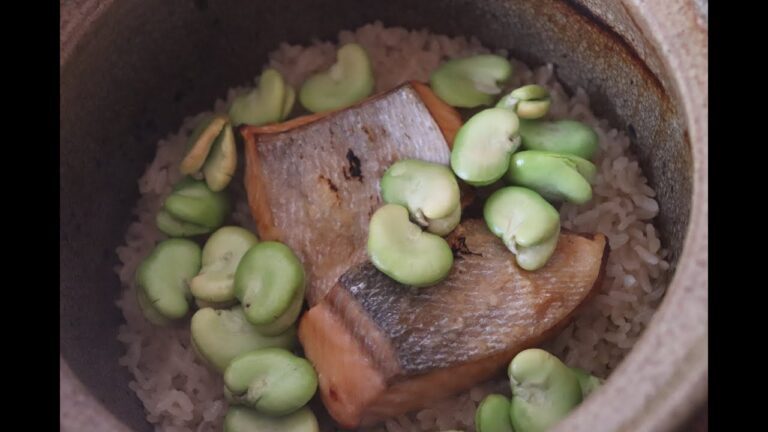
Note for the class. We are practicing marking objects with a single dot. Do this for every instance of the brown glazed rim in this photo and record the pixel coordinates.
(664, 378)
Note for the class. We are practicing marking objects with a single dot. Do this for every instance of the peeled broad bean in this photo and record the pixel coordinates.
(348, 81)
(173, 227)
(528, 102)
(534, 257)
(401, 250)
(492, 414)
(428, 190)
(544, 391)
(271, 380)
(268, 282)
(200, 143)
(471, 81)
(221, 255)
(242, 419)
(587, 381)
(192, 206)
(263, 105)
(222, 161)
(562, 136)
(221, 335)
(445, 225)
(556, 176)
(149, 311)
(483, 146)
(520, 216)
(526, 223)
(164, 275)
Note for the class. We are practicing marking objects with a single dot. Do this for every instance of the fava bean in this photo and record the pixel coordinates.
(148, 310)
(483, 146)
(221, 255)
(173, 227)
(528, 102)
(428, 190)
(200, 143)
(472, 81)
(222, 161)
(556, 176)
(242, 419)
(535, 257)
(492, 414)
(163, 277)
(221, 335)
(268, 281)
(402, 251)
(521, 218)
(271, 380)
(444, 226)
(266, 104)
(587, 382)
(348, 81)
(192, 207)
(563, 136)
(544, 391)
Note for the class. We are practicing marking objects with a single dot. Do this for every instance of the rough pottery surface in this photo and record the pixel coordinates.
(132, 70)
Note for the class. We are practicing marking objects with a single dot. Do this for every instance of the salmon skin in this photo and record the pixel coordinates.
(313, 182)
(382, 349)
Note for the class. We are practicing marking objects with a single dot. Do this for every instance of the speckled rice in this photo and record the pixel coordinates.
(180, 394)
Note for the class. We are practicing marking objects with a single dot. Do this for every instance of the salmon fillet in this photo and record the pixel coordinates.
(382, 349)
(313, 182)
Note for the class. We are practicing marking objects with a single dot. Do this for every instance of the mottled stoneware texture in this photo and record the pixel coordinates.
(131, 70)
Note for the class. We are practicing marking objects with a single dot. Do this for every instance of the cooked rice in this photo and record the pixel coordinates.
(180, 394)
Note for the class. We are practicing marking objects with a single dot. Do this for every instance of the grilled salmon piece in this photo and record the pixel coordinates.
(313, 182)
(382, 349)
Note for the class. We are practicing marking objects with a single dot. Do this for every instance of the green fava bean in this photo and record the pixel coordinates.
(268, 281)
(173, 227)
(444, 226)
(556, 176)
(528, 102)
(263, 105)
(402, 251)
(472, 81)
(192, 202)
(222, 161)
(221, 335)
(150, 313)
(242, 419)
(428, 190)
(200, 143)
(271, 380)
(520, 217)
(286, 319)
(563, 136)
(534, 257)
(483, 146)
(492, 414)
(228, 396)
(587, 381)
(290, 99)
(348, 81)
(221, 254)
(163, 277)
(544, 391)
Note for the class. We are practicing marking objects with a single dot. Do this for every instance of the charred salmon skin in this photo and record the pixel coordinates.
(313, 182)
(382, 349)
